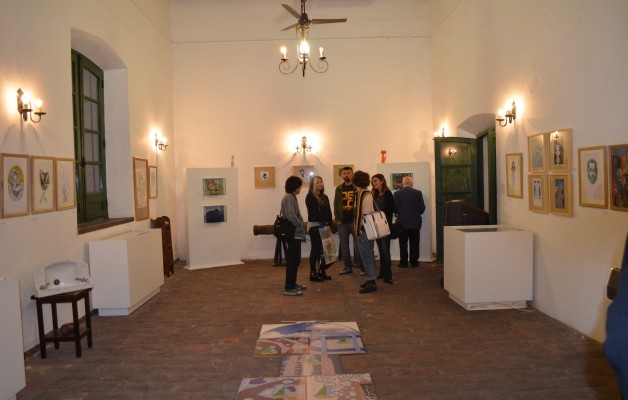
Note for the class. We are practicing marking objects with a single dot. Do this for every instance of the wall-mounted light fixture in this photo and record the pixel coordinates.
(452, 152)
(507, 116)
(304, 147)
(161, 142)
(25, 108)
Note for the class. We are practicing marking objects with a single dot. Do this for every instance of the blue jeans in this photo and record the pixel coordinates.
(383, 245)
(345, 230)
(365, 248)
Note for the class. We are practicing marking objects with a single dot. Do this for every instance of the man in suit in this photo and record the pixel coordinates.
(409, 207)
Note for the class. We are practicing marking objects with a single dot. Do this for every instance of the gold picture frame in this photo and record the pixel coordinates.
(65, 187)
(305, 172)
(140, 188)
(42, 184)
(618, 161)
(560, 199)
(559, 147)
(592, 179)
(537, 153)
(537, 192)
(264, 177)
(153, 183)
(514, 175)
(336, 172)
(15, 197)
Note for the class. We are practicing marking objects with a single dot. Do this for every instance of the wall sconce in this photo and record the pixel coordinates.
(452, 152)
(304, 146)
(161, 142)
(508, 116)
(25, 108)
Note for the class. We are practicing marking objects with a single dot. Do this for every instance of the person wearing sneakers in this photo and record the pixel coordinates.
(344, 202)
(318, 217)
(364, 204)
(290, 211)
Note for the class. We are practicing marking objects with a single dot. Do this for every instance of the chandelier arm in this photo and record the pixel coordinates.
(286, 68)
(321, 66)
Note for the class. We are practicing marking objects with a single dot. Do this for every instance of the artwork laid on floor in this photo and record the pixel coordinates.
(214, 214)
(560, 194)
(619, 177)
(336, 344)
(341, 387)
(64, 179)
(264, 177)
(310, 364)
(214, 187)
(336, 172)
(537, 153)
(277, 347)
(282, 387)
(537, 192)
(396, 180)
(42, 182)
(560, 150)
(309, 328)
(305, 172)
(514, 175)
(592, 180)
(140, 185)
(152, 179)
(15, 185)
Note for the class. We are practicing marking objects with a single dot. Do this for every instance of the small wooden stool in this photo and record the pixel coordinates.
(56, 335)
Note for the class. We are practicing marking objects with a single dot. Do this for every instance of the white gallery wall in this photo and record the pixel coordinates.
(563, 62)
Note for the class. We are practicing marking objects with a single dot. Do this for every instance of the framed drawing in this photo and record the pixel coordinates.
(592, 180)
(264, 177)
(214, 186)
(15, 185)
(560, 150)
(42, 182)
(396, 180)
(213, 214)
(619, 177)
(305, 172)
(514, 175)
(337, 170)
(140, 186)
(65, 190)
(152, 182)
(537, 153)
(537, 189)
(560, 194)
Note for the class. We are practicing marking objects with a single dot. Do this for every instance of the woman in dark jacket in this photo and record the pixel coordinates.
(318, 217)
(386, 203)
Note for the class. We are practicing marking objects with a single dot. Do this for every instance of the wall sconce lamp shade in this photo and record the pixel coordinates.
(161, 142)
(304, 147)
(508, 116)
(25, 108)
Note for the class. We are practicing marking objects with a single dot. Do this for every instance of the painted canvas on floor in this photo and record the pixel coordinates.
(275, 347)
(289, 388)
(309, 328)
(310, 364)
(332, 344)
(341, 387)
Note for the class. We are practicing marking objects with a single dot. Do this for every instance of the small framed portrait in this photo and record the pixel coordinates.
(140, 188)
(42, 182)
(537, 153)
(305, 172)
(264, 177)
(338, 170)
(15, 185)
(619, 177)
(65, 175)
(537, 189)
(214, 186)
(514, 175)
(560, 194)
(560, 150)
(396, 180)
(592, 182)
(214, 214)
(152, 179)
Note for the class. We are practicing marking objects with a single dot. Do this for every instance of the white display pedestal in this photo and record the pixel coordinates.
(488, 267)
(12, 374)
(127, 270)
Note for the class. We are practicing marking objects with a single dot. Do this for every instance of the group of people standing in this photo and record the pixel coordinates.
(352, 200)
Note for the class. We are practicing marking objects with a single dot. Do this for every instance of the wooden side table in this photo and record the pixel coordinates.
(56, 335)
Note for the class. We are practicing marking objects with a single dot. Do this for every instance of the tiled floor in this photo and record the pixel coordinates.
(195, 340)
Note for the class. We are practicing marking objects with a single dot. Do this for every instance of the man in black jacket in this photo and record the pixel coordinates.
(409, 207)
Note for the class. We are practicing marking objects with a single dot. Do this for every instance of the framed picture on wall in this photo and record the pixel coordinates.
(264, 177)
(141, 189)
(336, 172)
(537, 190)
(213, 214)
(619, 177)
(152, 179)
(560, 194)
(560, 150)
(65, 175)
(514, 175)
(42, 182)
(537, 153)
(15, 185)
(592, 182)
(305, 172)
(396, 180)
(214, 186)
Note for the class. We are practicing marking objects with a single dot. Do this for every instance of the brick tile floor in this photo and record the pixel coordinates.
(195, 340)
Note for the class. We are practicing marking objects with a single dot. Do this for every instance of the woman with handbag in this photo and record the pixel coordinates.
(290, 210)
(318, 217)
(385, 201)
(364, 205)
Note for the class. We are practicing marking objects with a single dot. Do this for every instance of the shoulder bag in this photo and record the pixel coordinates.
(375, 224)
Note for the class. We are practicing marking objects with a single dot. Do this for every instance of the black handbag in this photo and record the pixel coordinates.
(396, 229)
(283, 228)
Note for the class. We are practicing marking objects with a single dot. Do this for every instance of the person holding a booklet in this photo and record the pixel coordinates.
(319, 217)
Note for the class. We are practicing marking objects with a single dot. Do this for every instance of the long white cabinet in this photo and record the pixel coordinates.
(127, 270)
(12, 374)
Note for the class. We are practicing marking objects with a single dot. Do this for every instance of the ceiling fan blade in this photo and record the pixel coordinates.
(291, 11)
(328, 21)
(287, 28)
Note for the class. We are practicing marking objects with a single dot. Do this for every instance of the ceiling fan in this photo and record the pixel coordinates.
(304, 21)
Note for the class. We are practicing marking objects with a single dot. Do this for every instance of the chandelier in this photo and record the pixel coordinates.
(303, 53)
